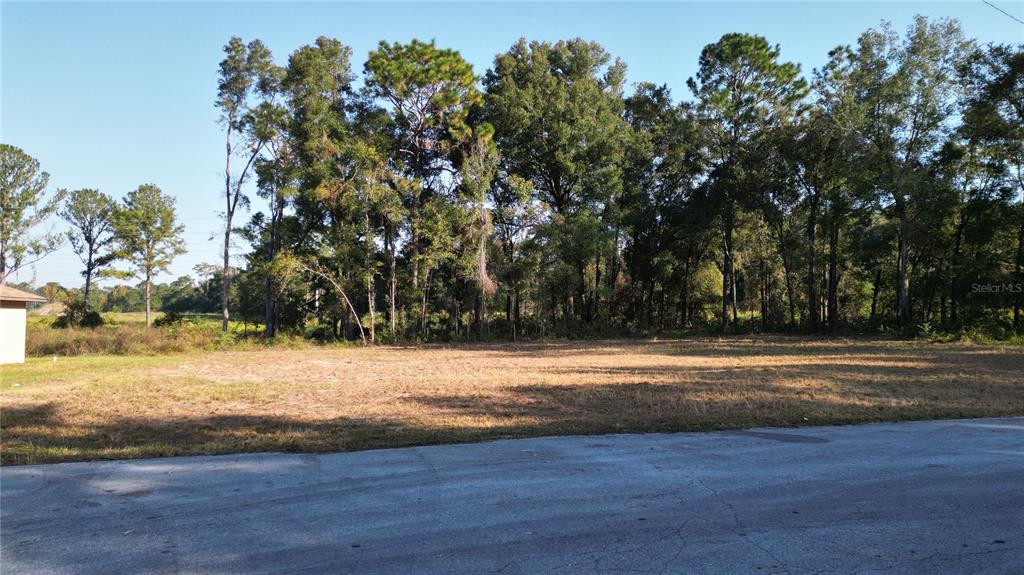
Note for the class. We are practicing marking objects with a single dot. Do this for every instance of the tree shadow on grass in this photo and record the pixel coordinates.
(867, 381)
(622, 399)
(739, 346)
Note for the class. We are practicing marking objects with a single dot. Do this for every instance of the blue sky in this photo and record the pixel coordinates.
(113, 95)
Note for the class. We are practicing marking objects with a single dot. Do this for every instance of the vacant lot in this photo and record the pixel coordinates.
(358, 398)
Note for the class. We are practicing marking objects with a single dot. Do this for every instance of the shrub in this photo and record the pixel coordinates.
(78, 314)
(135, 339)
(169, 318)
(121, 340)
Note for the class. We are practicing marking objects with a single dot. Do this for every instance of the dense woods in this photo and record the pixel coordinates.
(417, 200)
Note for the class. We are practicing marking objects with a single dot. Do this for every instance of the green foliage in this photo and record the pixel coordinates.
(431, 91)
(580, 210)
(88, 214)
(556, 110)
(245, 68)
(245, 71)
(129, 339)
(169, 318)
(24, 206)
(906, 89)
(420, 202)
(77, 314)
(745, 95)
(429, 94)
(743, 91)
(147, 235)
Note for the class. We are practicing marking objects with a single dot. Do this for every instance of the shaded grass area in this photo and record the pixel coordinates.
(324, 399)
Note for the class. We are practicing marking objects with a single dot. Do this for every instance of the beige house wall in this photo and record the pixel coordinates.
(12, 332)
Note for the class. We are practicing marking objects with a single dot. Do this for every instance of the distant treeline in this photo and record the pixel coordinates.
(193, 294)
(418, 200)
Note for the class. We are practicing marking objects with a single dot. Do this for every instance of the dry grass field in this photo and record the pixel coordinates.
(337, 399)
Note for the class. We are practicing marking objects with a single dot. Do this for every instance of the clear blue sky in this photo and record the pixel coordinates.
(113, 95)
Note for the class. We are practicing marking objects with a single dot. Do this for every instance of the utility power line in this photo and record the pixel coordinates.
(1003, 11)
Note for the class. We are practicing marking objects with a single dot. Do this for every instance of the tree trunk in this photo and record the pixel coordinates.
(516, 316)
(148, 294)
(764, 295)
(508, 308)
(684, 297)
(1019, 264)
(458, 319)
(554, 311)
(903, 276)
(370, 292)
(270, 306)
(832, 306)
(225, 279)
(483, 313)
(735, 300)
(414, 262)
(513, 297)
(613, 273)
(954, 289)
(790, 297)
(874, 294)
(423, 302)
(227, 228)
(813, 320)
(269, 325)
(727, 280)
(392, 281)
(581, 295)
(942, 308)
(650, 304)
(568, 314)
(370, 288)
(88, 283)
(351, 309)
(661, 309)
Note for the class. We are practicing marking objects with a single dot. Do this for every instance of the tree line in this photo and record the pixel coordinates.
(140, 232)
(198, 293)
(419, 201)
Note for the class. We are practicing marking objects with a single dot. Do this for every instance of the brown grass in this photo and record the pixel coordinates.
(134, 338)
(346, 399)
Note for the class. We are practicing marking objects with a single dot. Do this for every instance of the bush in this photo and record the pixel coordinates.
(320, 333)
(169, 318)
(91, 319)
(78, 314)
(984, 327)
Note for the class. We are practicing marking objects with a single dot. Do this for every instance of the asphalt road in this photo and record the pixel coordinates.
(926, 497)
